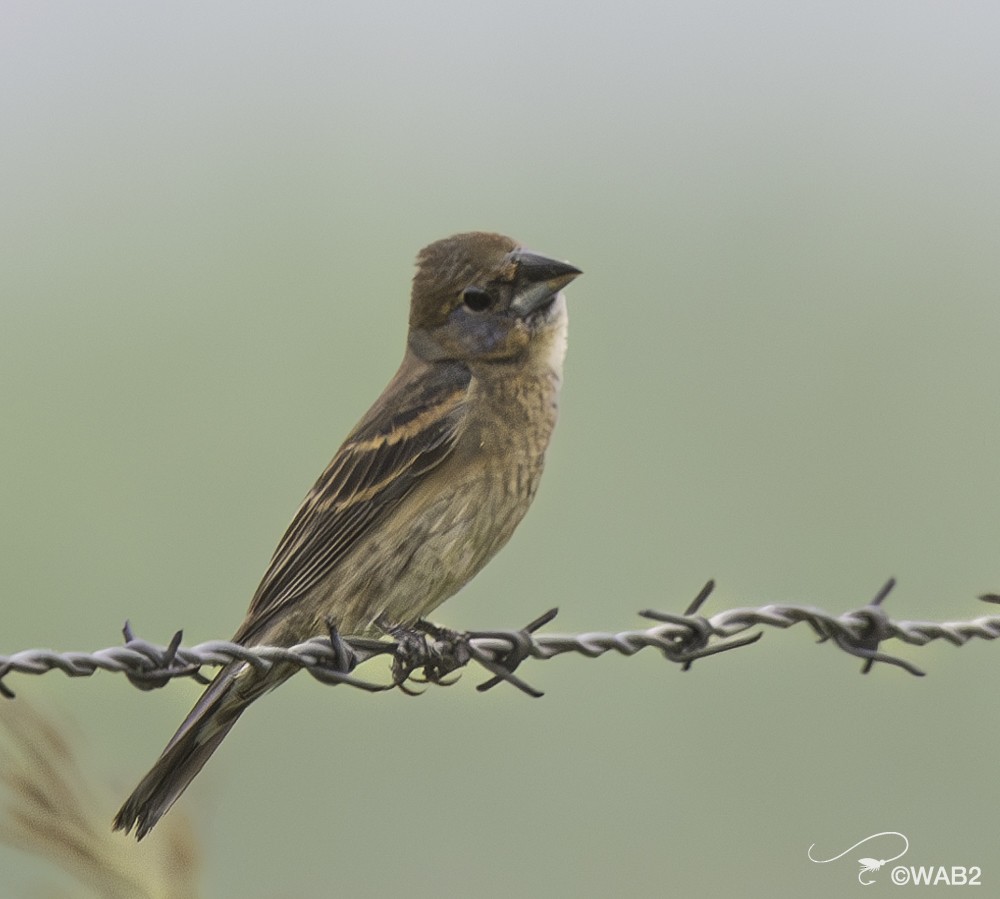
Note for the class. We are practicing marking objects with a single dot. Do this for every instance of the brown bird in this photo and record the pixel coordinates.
(426, 489)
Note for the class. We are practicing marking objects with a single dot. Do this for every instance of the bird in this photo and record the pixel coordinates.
(425, 490)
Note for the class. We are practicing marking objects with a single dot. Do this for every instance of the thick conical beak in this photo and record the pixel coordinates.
(538, 280)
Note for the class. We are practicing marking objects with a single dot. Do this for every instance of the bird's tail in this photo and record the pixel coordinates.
(226, 698)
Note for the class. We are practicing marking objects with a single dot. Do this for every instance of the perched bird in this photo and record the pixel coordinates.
(428, 486)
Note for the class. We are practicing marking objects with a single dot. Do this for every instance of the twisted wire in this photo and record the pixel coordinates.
(429, 654)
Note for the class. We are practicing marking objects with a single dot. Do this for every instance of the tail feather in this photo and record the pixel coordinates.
(196, 739)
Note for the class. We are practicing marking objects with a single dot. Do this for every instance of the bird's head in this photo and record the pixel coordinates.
(483, 297)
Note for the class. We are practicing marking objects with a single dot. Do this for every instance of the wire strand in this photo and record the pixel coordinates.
(428, 654)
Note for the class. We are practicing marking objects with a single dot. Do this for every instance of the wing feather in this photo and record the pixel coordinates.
(409, 432)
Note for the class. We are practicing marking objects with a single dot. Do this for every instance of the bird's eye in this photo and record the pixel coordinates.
(476, 299)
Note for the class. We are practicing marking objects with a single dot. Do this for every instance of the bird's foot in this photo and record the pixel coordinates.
(426, 653)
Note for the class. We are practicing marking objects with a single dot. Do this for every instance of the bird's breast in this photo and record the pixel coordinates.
(453, 522)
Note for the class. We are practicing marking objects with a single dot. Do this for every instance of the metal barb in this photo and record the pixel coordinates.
(162, 666)
(503, 665)
(719, 647)
(700, 599)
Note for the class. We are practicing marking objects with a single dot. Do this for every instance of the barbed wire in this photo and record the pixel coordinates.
(429, 654)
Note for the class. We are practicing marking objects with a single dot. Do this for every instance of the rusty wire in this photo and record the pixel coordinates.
(427, 654)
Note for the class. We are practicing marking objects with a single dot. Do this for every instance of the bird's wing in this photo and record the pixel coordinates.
(410, 431)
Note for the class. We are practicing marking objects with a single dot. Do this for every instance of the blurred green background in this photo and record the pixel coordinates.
(783, 374)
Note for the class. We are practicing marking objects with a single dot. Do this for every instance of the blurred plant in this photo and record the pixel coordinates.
(54, 810)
